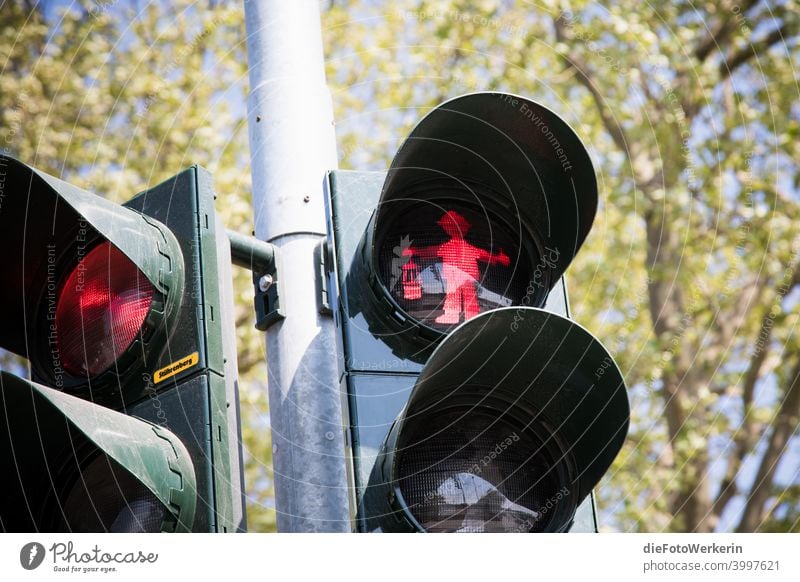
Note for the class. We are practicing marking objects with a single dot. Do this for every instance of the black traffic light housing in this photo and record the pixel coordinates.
(517, 386)
(435, 267)
(514, 169)
(123, 311)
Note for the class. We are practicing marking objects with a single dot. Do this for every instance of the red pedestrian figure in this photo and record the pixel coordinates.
(459, 266)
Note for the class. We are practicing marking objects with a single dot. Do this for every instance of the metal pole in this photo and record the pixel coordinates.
(292, 145)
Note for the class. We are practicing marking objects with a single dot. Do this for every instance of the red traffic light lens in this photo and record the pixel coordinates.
(100, 311)
(446, 263)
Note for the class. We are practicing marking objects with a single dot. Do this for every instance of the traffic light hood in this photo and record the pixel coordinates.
(558, 372)
(63, 456)
(47, 227)
(508, 157)
(545, 380)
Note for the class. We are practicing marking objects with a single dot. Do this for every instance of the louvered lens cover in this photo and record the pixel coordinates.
(446, 263)
(101, 309)
(106, 498)
(466, 471)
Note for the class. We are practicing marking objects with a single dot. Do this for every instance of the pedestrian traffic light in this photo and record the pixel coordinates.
(473, 404)
(129, 421)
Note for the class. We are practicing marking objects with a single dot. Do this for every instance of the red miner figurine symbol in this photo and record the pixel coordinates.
(459, 266)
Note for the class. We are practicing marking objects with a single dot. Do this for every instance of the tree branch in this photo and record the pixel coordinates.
(783, 426)
(584, 75)
(745, 436)
(735, 60)
(722, 30)
(749, 297)
(666, 303)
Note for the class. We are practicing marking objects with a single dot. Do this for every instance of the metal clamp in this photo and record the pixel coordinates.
(263, 259)
(323, 262)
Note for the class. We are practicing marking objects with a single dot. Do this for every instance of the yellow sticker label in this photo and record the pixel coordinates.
(176, 367)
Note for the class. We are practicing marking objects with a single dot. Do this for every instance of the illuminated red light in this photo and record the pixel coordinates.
(460, 263)
(101, 309)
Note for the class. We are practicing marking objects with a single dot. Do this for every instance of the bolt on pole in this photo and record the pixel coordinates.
(292, 146)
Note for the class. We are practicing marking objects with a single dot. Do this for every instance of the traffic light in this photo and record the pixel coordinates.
(129, 421)
(473, 403)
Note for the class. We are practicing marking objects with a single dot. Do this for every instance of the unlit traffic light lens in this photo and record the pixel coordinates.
(472, 471)
(100, 312)
(106, 498)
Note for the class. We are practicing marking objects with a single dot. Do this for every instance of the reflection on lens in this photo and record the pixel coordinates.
(470, 471)
(480, 507)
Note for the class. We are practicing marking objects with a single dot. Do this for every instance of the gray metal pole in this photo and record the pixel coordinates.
(292, 145)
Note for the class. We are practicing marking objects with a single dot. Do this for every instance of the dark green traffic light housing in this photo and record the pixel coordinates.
(447, 289)
(123, 313)
(91, 469)
(49, 228)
